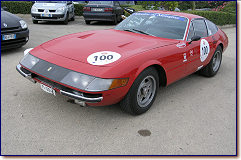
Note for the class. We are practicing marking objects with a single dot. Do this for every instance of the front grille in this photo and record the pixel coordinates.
(52, 10)
(10, 30)
(13, 41)
(40, 10)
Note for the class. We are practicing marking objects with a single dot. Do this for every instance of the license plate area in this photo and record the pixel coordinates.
(8, 37)
(47, 89)
(97, 9)
(46, 15)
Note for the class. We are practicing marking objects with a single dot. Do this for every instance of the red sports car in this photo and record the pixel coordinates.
(127, 64)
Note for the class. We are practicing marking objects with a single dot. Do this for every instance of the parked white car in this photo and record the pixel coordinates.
(52, 11)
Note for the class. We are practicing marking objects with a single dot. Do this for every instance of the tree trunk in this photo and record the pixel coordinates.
(193, 5)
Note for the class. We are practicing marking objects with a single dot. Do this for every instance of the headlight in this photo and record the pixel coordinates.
(34, 9)
(23, 24)
(77, 80)
(29, 61)
(61, 9)
(91, 83)
(99, 84)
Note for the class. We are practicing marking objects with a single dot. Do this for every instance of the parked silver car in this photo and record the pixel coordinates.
(52, 11)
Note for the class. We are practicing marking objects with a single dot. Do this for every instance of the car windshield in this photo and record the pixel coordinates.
(155, 24)
(101, 2)
(51, 1)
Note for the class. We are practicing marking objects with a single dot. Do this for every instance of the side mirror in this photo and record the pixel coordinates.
(195, 38)
(5, 8)
(129, 10)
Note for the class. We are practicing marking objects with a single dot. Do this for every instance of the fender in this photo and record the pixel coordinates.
(147, 64)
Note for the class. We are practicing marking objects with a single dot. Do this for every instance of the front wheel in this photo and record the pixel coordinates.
(211, 69)
(35, 22)
(66, 21)
(142, 93)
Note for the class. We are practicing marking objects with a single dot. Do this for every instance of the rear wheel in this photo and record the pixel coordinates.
(87, 22)
(213, 66)
(142, 93)
(115, 21)
(35, 22)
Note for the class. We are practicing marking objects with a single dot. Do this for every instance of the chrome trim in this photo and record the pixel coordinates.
(185, 34)
(28, 76)
(81, 98)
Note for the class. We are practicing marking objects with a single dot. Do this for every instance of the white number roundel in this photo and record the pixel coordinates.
(204, 50)
(103, 58)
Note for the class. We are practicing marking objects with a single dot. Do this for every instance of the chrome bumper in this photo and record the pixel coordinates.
(65, 93)
(81, 98)
(28, 76)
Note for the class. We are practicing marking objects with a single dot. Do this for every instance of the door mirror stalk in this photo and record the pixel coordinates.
(194, 38)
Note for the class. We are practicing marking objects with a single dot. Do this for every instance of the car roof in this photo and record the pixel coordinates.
(187, 15)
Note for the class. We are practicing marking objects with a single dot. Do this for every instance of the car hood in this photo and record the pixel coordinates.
(79, 46)
(49, 5)
(10, 19)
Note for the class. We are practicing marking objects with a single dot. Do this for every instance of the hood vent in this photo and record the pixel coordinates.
(85, 36)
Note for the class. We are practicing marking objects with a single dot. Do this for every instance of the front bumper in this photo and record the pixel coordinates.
(22, 37)
(94, 98)
(54, 17)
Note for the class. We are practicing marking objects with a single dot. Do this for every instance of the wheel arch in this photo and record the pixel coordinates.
(159, 68)
(221, 45)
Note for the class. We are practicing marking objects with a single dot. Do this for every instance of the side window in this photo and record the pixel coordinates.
(200, 28)
(212, 28)
(190, 32)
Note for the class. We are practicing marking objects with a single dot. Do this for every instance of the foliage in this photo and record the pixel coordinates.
(154, 5)
(24, 7)
(78, 9)
(15, 7)
(230, 7)
(184, 5)
(219, 18)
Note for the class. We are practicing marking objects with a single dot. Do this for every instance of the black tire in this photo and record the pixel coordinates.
(35, 22)
(73, 18)
(130, 102)
(115, 21)
(66, 21)
(210, 70)
(87, 22)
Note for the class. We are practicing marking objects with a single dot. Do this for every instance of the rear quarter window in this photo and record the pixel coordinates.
(200, 28)
(212, 28)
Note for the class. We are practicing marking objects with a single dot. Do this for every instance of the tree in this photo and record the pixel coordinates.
(155, 5)
(193, 5)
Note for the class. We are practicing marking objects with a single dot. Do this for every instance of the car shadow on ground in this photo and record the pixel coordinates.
(100, 23)
(12, 51)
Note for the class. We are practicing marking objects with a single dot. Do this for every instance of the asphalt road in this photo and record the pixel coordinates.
(195, 115)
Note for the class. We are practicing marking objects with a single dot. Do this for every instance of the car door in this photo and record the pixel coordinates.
(198, 52)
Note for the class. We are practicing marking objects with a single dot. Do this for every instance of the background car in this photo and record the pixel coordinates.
(130, 63)
(103, 11)
(80, 2)
(53, 11)
(14, 31)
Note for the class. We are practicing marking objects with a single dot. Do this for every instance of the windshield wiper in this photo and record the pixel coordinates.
(141, 32)
(129, 30)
